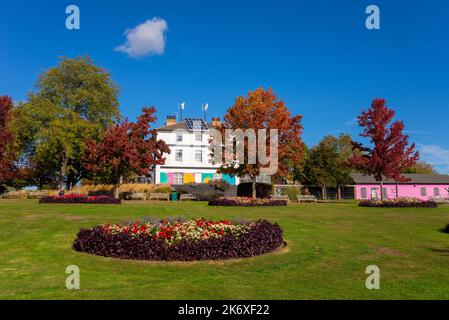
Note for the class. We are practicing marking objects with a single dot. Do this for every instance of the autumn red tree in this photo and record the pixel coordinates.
(126, 148)
(390, 153)
(6, 139)
(261, 109)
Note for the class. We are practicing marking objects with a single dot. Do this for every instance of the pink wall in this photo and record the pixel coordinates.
(404, 190)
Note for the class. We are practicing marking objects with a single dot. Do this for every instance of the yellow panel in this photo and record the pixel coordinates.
(189, 178)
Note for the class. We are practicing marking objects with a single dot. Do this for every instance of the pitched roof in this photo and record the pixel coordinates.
(178, 126)
(414, 179)
(173, 127)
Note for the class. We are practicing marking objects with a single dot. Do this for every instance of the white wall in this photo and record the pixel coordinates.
(188, 146)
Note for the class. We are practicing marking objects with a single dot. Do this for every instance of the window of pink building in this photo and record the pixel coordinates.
(436, 192)
(423, 192)
(363, 193)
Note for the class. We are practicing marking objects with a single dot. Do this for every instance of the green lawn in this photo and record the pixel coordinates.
(329, 247)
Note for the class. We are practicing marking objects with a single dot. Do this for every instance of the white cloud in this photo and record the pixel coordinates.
(352, 122)
(436, 156)
(145, 39)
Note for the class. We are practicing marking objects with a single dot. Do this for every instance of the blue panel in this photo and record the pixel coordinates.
(229, 179)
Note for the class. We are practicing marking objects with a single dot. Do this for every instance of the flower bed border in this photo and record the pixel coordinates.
(263, 238)
(398, 204)
(79, 199)
(246, 202)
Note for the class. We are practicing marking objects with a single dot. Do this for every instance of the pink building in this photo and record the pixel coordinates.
(421, 186)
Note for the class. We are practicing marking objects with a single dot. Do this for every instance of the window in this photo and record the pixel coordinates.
(436, 192)
(198, 137)
(178, 155)
(423, 192)
(179, 137)
(178, 178)
(198, 156)
(217, 176)
(363, 193)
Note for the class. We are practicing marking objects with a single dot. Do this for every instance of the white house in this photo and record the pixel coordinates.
(190, 160)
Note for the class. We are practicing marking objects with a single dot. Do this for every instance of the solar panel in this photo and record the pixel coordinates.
(196, 125)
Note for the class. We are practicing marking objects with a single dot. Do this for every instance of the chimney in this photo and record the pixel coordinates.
(216, 122)
(171, 120)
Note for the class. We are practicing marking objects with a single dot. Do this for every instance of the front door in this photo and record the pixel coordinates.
(374, 194)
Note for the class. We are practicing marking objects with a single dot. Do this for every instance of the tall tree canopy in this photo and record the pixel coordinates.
(326, 164)
(261, 109)
(72, 102)
(421, 167)
(126, 148)
(390, 153)
(6, 139)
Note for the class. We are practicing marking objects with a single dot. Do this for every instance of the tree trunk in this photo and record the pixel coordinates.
(117, 188)
(381, 190)
(338, 193)
(397, 191)
(323, 193)
(254, 188)
(63, 173)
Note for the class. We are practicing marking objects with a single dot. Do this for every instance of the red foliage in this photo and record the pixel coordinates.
(262, 109)
(391, 152)
(127, 148)
(6, 137)
(79, 198)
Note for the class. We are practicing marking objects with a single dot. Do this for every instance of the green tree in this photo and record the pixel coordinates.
(421, 167)
(326, 164)
(71, 103)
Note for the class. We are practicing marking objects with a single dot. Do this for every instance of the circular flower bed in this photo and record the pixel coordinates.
(180, 241)
(246, 202)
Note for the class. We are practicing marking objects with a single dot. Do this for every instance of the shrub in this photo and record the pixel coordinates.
(97, 190)
(399, 203)
(209, 196)
(163, 189)
(263, 190)
(221, 185)
(246, 202)
(292, 193)
(164, 241)
(79, 198)
(109, 189)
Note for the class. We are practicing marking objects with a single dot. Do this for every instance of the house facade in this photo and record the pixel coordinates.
(190, 159)
(420, 186)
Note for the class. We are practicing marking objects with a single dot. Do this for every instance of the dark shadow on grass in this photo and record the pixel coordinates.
(445, 229)
(443, 252)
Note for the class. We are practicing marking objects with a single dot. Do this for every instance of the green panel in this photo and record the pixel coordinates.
(206, 177)
(164, 177)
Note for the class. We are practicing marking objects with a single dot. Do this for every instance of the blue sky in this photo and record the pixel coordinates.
(317, 56)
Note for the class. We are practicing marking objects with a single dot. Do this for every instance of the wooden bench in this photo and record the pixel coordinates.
(38, 194)
(138, 196)
(187, 196)
(279, 197)
(440, 199)
(160, 196)
(306, 198)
